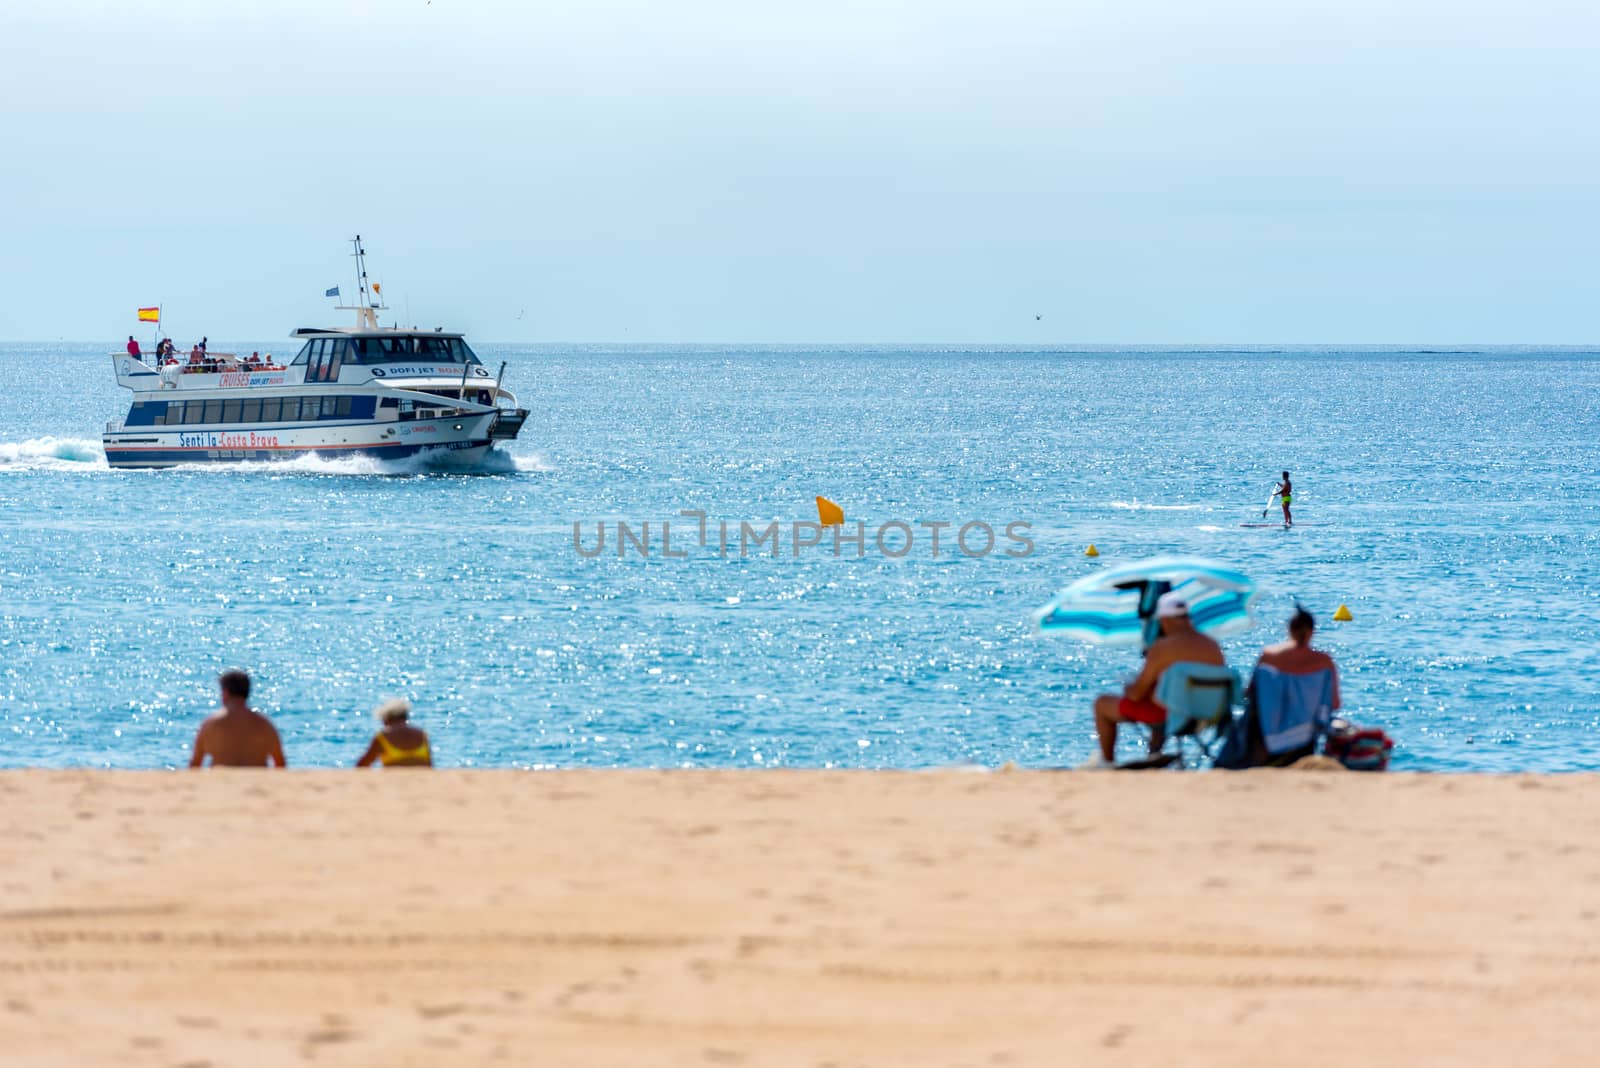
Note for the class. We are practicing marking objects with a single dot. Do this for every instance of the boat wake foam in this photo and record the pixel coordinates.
(82, 454)
(506, 463)
(53, 454)
(433, 462)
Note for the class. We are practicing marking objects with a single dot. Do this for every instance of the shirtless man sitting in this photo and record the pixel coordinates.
(238, 736)
(1179, 643)
(1296, 657)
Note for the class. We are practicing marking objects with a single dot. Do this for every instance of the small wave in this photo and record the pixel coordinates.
(51, 453)
(1135, 506)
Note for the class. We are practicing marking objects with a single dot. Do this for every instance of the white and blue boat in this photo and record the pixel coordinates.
(382, 392)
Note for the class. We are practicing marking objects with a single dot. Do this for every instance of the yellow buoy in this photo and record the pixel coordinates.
(828, 513)
(1091, 550)
(1343, 614)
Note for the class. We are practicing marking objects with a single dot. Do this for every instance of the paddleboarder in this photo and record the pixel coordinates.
(1284, 491)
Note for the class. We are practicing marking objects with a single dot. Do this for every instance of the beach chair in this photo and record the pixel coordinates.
(1199, 699)
(1284, 717)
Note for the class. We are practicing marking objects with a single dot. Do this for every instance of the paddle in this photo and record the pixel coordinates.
(1270, 499)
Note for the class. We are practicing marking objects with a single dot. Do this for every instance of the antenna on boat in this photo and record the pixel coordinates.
(366, 311)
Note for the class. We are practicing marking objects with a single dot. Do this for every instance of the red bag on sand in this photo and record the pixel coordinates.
(1358, 748)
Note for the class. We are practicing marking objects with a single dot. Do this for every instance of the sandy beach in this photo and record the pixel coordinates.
(804, 918)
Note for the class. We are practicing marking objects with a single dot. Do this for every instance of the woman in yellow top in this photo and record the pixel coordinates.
(397, 744)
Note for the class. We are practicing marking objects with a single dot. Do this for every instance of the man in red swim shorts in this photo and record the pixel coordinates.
(1179, 643)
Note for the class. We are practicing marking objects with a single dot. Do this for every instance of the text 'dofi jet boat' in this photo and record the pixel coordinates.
(366, 390)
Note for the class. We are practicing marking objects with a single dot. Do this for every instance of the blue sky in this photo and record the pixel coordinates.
(1135, 171)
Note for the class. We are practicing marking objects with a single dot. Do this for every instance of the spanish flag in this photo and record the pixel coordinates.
(150, 315)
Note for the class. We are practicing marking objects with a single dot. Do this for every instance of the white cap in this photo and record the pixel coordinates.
(1171, 605)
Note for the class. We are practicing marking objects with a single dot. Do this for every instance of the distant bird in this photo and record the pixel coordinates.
(1036, 318)
(520, 314)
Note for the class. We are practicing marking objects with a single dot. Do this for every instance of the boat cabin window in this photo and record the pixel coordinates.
(264, 410)
(406, 348)
(436, 350)
(415, 409)
(409, 349)
(382, 349)
(150, 413)
(322, 357)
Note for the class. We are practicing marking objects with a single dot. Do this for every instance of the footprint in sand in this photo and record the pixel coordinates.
(1116, 1036)
(328, 1036)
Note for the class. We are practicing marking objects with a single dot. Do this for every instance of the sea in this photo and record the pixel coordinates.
(1447, 496)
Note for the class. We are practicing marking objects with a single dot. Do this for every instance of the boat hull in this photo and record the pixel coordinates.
(457, 442)
(463, 455)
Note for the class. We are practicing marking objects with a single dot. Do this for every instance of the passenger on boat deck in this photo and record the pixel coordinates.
(238, 736)
(254, 360)
(202, 345)
(397, 744)
(133, 348)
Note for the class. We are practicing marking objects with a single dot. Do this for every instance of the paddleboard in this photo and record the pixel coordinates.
(1279, 525)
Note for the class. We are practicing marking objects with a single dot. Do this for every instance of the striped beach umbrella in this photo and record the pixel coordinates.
(1117, 605)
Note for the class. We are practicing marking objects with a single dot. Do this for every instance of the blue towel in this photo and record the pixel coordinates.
(1205, 703)
(1292, 709)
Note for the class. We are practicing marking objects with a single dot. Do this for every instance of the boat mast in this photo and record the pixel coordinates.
(366, 311)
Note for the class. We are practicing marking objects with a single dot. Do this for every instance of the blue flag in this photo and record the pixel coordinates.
(334, 292)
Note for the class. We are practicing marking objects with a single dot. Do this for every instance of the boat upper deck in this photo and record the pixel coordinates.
(327, 357)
